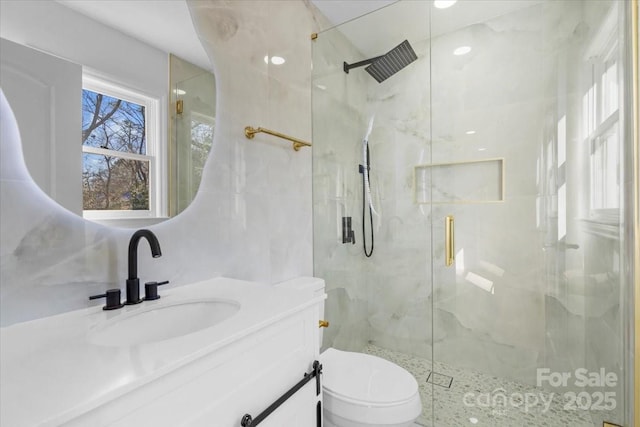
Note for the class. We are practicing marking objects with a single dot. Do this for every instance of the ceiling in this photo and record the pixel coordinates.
(340, 11)
(163, 24)
(167, 24)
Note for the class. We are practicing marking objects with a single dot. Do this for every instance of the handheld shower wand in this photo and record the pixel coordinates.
(367, 166)
(366, 189)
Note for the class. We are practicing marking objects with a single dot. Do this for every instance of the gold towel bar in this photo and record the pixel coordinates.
(297, 143)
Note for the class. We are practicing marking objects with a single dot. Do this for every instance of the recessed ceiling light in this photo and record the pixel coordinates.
(482, 149)
(473, 420)
(275, 60)
(470, 132)
(462, 50)
(443, 4)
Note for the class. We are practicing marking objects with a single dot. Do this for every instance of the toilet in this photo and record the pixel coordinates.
(360, 390)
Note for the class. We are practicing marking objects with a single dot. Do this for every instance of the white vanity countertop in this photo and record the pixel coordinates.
(51, 372)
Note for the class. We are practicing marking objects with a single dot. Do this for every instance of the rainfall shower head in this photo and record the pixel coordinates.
(384, 66)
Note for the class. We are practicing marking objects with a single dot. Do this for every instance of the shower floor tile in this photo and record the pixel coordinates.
(457, 405)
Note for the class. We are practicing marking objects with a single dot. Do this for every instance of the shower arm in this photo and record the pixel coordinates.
(346, 67)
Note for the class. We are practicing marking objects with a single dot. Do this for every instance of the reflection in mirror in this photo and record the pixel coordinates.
(109, 145)
(121, 153)
(192, 124)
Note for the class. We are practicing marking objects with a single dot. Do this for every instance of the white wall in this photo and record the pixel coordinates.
(78, 41)
(58, 30)
(45, 94)
(251, 218)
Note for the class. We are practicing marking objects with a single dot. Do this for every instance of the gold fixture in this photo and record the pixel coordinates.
(297, 143)
(606, 424)
(635, 110)
(449, 242)
(179, 106)
(449, 251)
(323, 324)
(314, 36)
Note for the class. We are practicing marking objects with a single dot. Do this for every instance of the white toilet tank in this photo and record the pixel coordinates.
(314, 284)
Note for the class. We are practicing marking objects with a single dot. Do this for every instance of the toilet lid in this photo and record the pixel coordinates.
(365, 378)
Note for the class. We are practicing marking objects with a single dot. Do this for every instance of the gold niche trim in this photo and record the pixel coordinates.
(635, 87)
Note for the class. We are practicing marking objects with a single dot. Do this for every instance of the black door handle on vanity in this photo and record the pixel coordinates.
(249, 421)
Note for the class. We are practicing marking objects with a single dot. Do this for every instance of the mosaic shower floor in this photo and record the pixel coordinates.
(466, 401)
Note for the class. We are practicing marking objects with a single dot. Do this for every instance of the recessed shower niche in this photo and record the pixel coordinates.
(476, 181)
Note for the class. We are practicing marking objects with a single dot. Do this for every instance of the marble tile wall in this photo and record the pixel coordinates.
(252, 216)
(491, 308)
(338, 98)
(520, 296)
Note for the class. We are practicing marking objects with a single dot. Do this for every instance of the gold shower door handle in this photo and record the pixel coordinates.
(449, 251)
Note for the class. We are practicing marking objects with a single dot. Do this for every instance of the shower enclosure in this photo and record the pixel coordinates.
(192, 106)
(499, 164)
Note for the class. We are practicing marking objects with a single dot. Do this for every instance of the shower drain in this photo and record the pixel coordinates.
(440, 379)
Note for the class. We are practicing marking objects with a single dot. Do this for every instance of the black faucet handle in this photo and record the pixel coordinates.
(113, 299)
(151, 290)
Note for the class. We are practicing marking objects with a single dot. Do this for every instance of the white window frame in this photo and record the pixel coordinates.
(598, 123)
(155, 154)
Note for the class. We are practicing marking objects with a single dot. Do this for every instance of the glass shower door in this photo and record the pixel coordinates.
(524, 189)
(378, 304)
(192, 116)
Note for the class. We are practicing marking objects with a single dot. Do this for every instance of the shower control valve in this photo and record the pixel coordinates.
(348, 235)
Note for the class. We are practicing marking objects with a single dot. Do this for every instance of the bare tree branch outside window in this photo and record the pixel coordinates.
(111, 181)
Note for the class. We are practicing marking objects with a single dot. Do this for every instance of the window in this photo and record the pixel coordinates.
(121, 157)
(601, 122)
(202, 128)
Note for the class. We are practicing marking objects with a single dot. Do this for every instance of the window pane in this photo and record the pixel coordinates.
(605, 170)
(611, 172)
(201, 141)
(609, 89)
(113, 183)
(112, 123)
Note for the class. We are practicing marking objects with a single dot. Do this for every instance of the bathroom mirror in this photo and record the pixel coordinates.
(128, 145)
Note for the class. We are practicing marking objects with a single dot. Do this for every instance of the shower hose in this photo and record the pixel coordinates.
(365, 170)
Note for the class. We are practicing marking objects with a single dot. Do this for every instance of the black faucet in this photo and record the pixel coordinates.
(133, 283)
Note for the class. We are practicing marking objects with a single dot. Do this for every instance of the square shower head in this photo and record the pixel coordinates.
(393, 61)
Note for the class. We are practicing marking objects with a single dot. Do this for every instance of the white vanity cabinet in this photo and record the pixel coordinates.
(207, 378)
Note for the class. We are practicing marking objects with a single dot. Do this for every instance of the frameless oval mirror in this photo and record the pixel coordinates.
(113, 127)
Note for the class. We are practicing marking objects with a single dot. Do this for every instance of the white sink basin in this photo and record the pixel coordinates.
(162, 322)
